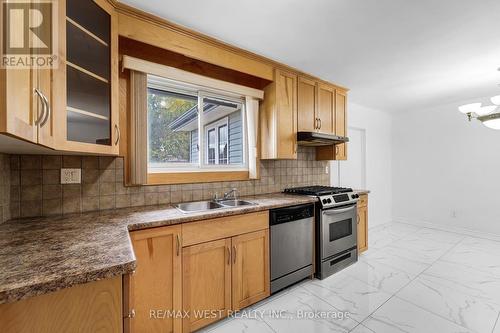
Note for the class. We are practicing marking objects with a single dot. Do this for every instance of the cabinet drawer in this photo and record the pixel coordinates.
(363, 200)
(223, 227)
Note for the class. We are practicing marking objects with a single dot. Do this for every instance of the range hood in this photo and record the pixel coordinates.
(319, 139)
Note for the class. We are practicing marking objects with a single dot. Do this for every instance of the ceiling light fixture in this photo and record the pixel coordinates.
(488, 114)
(495, 100)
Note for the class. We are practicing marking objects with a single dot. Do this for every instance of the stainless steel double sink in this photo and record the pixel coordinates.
(201, 206)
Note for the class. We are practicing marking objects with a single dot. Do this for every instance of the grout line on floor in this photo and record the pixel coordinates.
(496, 323)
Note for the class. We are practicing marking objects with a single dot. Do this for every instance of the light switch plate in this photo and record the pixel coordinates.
(71, 176)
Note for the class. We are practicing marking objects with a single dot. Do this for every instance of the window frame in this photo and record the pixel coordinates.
(164, 84)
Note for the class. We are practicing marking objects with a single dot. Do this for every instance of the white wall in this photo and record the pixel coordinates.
(377, 126)
(446, 171)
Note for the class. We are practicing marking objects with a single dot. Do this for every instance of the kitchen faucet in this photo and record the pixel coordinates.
(233, 192)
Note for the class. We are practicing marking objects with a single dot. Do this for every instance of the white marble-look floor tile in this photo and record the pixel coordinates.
(393, 259)
(378, 275)
(476, 253)
(397, 316)
(349, 294)
(481, 285)
(388, 233)
(294, 310)
(436, 236)
(242, 325)
(421, 250)
(451, 300)
(482, 244)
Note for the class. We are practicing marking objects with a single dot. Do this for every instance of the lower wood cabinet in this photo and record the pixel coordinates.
(207, 282)
(363, 223)
(250, 272)
(156, 285)
(223, 266)
(223, 275)
(90, 307)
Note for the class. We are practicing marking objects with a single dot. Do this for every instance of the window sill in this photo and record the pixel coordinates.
(196, 177)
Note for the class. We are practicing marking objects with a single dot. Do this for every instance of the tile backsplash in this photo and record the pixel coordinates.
(36, 190)
(4, 188)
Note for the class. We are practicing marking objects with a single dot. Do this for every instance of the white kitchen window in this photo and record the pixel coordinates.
(175, 141)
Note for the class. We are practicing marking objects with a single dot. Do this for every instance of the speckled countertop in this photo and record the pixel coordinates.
(42, 255)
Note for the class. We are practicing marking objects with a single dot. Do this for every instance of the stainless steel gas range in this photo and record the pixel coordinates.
(336, 227)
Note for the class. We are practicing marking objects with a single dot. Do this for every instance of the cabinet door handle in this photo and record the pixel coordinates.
(40, 116)
(228, 255)
(47, 110)
(337, 149)
(234, 254)
(358, 219)
(319, 122)
(178, 245)
(117, 129)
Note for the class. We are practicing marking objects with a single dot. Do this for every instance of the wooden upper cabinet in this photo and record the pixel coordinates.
(341, 123)
(18, 103)
(326, 109)
(278, 117)
(316, 106)
(207, 282)
(88, 66)
(157, 281)
(307, 104)
(250, 274)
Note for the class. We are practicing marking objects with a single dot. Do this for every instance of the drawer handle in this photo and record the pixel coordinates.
(234, 254)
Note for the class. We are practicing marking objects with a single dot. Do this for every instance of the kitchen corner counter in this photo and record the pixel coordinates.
(42, 255)
(361, 192)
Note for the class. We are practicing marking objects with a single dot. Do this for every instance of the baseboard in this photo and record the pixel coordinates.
(457, 230)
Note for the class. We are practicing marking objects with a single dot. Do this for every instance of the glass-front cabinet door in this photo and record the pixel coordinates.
(90, 117)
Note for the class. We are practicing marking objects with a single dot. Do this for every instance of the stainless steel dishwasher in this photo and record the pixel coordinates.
(292, 234)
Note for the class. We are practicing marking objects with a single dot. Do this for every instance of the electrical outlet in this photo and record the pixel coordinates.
(71, 176)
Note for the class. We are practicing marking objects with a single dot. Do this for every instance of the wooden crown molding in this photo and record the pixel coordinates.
(165, 24)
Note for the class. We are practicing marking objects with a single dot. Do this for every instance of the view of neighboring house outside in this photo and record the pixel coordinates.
(174, 133)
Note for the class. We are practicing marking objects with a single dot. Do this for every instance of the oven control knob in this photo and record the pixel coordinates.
(324, 201)
(329, 200)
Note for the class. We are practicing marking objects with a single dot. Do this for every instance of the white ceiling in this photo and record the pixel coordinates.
(394, 55)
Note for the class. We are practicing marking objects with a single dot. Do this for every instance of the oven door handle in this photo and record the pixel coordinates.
(333, 211)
